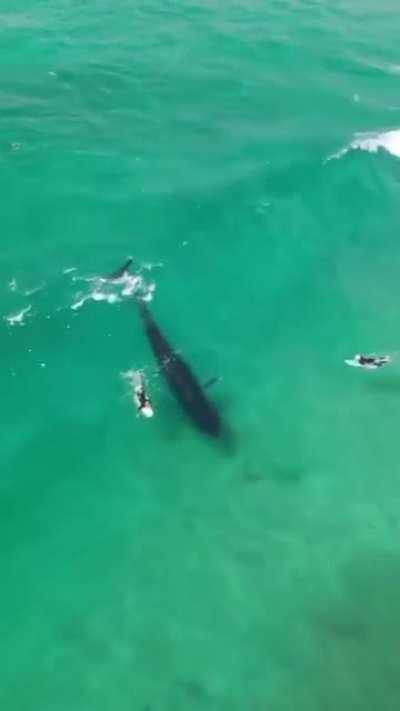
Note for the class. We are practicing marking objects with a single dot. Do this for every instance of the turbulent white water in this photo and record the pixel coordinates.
(388, 141)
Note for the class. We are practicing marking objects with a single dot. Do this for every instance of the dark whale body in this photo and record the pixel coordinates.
(181, 379)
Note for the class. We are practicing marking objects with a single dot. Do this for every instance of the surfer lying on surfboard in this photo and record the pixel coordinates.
(369, 362)
(141, 397)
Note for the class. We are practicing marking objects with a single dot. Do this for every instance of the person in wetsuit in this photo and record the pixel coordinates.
(143, 402)
(373, 361)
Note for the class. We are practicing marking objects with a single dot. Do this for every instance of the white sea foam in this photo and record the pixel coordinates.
(79, 302)
(131, 284)
(149, 266)
(95, 296)
(132, 377)
(34, 290)
(16, 288)
(372, 142)
(18, 318)
(148, 293)
(115, 290)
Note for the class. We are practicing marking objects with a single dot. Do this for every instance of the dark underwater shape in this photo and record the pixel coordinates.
(182, 380)
(212, 381)
(121, 271)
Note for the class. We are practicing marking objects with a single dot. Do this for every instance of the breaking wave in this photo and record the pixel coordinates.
(388, 141)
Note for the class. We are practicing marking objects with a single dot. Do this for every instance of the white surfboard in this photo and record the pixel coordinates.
(355, 362)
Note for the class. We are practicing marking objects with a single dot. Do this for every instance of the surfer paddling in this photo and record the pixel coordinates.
(140, 395)
(369, 362)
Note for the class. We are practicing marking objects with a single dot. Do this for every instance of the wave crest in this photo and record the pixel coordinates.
(388, 141)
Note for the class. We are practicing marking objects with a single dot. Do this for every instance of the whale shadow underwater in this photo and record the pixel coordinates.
(182, 380)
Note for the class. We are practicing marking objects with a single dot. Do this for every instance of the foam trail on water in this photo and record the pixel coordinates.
(34, 290)
(372, 142)
(130, 377)
(17, 289)
(18, 318)
(149, 266)
(95, 295)
(149, 293)
(115, 290)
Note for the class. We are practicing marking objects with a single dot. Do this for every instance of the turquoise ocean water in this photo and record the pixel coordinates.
(247, 155)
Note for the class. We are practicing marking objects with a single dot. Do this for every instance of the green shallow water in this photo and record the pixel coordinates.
(143, 566)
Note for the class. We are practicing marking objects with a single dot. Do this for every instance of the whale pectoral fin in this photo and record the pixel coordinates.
(121, 272)
(212, 381)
